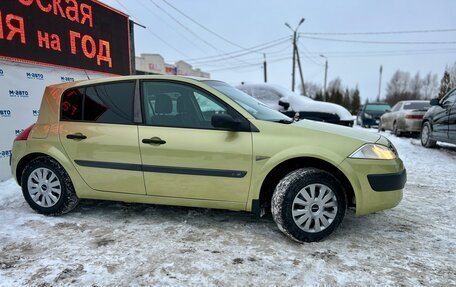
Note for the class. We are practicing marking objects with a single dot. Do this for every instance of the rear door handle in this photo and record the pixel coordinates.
(76, 136)
(154, 140)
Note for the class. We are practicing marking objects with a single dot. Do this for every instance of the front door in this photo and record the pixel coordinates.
(99, 136)
(442, 116)
(183, 154)
(452, 124)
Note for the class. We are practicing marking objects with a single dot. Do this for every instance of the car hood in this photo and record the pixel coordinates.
(375, 113)
(332, 143)
(304, 104)
(338, 130)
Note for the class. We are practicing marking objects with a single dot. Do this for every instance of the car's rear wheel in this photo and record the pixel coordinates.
(47, 188)
(396, 132)
(380, 126)
(426, 139)
(308, 204)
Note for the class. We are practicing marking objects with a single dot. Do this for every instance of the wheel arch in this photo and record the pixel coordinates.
(280, 170)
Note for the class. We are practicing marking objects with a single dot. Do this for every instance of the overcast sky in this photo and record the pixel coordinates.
(252, 23)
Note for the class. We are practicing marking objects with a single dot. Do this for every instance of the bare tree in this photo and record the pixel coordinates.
(416, 85)
(429, 86)
(311, 89)
(452, 72)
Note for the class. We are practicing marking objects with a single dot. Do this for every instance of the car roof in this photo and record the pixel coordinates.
(415, 101)
(127, 78)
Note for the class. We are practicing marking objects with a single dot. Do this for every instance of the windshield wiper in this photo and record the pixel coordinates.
(284, 121)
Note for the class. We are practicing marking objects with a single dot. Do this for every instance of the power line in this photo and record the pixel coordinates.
(190, 31)
(392, 55)
(170, 26)
(379, 42)
(152, 32)
(258, 47)
(380, 33)
(380, 51)
(204, 27)
(308, 55)
(228, 56)
(246, 66)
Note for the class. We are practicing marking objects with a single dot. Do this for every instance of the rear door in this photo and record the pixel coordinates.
(99, 136)
(183, 155)
(388, 118)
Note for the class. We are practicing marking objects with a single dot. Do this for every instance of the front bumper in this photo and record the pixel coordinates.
(383, 190)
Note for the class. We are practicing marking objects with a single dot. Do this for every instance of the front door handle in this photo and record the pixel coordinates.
(154, 140)
(76, 136)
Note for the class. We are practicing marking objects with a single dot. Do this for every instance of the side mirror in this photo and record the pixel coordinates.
(387, 110)
(434, 102)
(284, 105)
(224, 121)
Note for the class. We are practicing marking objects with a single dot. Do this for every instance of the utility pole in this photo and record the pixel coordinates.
(380, 84)
(300, 72)
(265, 68)
(294, 52)
(326, 76)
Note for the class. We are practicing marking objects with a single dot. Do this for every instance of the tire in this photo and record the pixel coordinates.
(395, 130)
(47, 188)
(299, 224)
(426, 131)
(380, 128)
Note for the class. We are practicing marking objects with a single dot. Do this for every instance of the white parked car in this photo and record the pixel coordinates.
(290, 104)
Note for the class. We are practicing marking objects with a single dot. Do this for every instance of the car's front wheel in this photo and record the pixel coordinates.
(308, 204)
(426, 140)
(47, 188)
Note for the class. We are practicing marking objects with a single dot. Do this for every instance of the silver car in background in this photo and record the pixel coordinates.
(404, 117)
(295, 105)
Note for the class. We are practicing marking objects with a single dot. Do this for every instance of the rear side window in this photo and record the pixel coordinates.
(109, 103)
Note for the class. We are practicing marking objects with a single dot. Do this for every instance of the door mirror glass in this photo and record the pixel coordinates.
(284, 105)
(224, 121)
(434, 102)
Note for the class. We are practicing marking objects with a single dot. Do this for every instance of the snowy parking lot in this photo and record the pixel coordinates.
(118, 244)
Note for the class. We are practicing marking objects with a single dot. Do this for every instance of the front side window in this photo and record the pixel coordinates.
(178, 105)
(108, 103)
(450, 99)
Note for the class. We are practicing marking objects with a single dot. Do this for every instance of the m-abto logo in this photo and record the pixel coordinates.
(5, 153)
(1, 72)
(66, 79)
(17, 132)
(18, 94)
(35, 76)
(35, 113)
(5, 113)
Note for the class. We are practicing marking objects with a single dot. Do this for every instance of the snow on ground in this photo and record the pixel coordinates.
(118, 244)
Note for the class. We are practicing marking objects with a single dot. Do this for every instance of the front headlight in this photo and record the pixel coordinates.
(374, 151)
(367, 116)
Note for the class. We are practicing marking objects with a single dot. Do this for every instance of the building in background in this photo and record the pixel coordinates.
(155, 64)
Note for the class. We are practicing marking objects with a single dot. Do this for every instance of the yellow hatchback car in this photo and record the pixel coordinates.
(198, 142)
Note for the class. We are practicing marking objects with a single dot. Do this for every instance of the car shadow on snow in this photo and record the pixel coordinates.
(120, 213)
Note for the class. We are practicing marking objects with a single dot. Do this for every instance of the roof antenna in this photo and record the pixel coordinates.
(87, 74)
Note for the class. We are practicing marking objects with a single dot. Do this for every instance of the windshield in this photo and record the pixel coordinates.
(417, 106)
(378, 108)
(254, 107)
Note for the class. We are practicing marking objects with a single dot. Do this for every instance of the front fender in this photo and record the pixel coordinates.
(262, 168)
